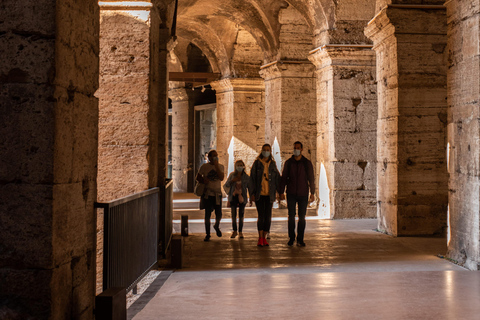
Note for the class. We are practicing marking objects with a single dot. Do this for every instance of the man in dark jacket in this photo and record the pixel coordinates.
(298, 177)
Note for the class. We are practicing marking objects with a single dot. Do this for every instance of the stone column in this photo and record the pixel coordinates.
(464, 132)
(48, 158)
(346, 126)
(412, 174)
(240, 120)
(123, 101)
(162, 44)
(182, 138)
(290, 107)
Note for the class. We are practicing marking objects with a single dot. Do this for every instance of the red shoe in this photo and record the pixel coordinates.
(260, 242)
(265, 243)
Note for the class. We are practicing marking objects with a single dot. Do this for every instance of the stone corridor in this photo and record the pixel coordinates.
(346, 271)
(105, 99)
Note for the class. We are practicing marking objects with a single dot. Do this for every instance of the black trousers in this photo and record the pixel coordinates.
(264, 209)
(292, 201)
(241, 213)
(210, 205)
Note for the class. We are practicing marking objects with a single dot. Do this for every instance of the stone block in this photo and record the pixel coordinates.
(77, 46)
(27, 142)
(123, 171)
(69, 213)
(76, 138)
(31, 58)
(355, 146)
(354, 204)
(31, 291)
(387, 217)
(352, 176)
(427, 219)
(26, 220)
(123, 48)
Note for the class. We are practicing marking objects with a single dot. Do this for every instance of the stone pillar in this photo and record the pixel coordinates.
(240, 120)
(48, 158)
(161, 45)
(346, 126)
(123, 101)
(290, 107)
(182, 139)
(464, 132)
(412, 174)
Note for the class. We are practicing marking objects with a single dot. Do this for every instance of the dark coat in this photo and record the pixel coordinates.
(298, 177)
(256, 176)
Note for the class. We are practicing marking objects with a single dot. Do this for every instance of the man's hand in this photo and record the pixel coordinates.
(312, 197)
(252, 198)
(282, 196)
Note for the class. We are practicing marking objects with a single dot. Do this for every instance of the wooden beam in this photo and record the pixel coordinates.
(200, 77)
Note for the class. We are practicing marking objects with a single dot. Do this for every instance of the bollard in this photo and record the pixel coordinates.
(184, 226)
(176, 246)
(111, 304)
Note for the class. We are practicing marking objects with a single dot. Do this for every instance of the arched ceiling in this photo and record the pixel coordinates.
(213, 24)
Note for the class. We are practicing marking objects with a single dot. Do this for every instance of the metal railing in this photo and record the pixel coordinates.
(130, 238)
(165, 221)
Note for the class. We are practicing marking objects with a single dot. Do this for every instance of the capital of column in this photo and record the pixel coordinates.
(406, 19)
(239, 85)
(287, 69)
(342, 55)
(178, 94)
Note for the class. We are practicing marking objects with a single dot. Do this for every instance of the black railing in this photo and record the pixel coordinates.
(130, 238)
(165, 221)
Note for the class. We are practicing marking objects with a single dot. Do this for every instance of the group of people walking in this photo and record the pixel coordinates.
(262, 187)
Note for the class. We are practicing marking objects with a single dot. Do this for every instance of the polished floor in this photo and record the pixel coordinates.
(346, 271)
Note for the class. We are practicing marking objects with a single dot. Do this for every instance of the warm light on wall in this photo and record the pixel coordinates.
(324, 195)
(276, 152)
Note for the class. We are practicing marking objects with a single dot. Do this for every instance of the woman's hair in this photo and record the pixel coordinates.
(261, 155)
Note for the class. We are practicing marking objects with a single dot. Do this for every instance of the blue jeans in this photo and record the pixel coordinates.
(210, 205)
(292, 201)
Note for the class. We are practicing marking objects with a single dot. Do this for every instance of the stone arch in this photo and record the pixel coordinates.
(248, 14)
(209, 42)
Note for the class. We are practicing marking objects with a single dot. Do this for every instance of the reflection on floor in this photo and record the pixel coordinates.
(346, 271)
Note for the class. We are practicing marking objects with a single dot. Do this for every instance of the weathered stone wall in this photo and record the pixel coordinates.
(49, 125)
(464, 131)
(290, 107)
(295, 36)
(240, 115)
(411, 73)
(247, 56)
(123, 105)
(346, 124)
